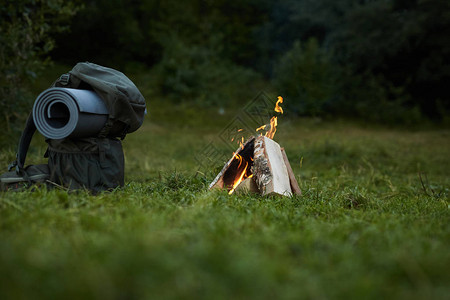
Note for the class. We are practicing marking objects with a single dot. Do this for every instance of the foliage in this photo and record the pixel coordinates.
(384, 59)
(381, 102)
(367, 226)
(25, 38)
(315, 85)
(395, 52)
(118, 32)
(404, 44)
(307, 78)
(108, 33)
(192, 60)
(196, 73)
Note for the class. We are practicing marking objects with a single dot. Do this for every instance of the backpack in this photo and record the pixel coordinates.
(94, 162)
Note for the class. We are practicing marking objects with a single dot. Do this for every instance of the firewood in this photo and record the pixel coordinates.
(269, 169)
(293, 181)
(247, 186)
(223, 179)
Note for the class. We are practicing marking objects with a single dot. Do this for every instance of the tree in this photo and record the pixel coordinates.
(26, 27)
(393, 56)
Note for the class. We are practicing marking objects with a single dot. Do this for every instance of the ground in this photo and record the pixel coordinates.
(373, 220)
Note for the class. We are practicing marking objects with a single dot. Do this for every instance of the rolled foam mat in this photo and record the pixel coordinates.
(62, 112)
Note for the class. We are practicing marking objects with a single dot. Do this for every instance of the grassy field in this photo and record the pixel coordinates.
(366, 227)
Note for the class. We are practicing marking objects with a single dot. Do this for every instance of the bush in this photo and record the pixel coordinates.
(369, 97)
(197, 73)
(307, 78)
(316, 86)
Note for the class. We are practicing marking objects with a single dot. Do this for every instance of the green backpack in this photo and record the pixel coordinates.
(94, 162)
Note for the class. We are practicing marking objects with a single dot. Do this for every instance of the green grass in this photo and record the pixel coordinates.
(365, 227)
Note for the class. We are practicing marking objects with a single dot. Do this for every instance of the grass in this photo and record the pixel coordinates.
(367, 225)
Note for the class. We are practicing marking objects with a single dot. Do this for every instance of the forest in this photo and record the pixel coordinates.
(373, 60)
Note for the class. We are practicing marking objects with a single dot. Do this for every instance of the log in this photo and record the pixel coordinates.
(269, 168)
(292, 180)
(247, 186)
(229, 168)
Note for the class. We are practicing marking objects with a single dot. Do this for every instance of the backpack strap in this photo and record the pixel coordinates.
(24, 144)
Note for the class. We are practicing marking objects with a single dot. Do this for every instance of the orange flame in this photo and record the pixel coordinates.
(273, 128)
(277, 107)
(240, 142)
(260, 128)
(273, 121)
(243, 167)
(240, 176)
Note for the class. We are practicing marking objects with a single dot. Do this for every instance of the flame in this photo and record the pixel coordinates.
(273, 121)
(240, 141)
(243, 166)
(277, 107)
(242, 175)
(273, 128)
(260, 128)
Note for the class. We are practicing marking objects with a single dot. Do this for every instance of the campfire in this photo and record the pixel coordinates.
(259, 165)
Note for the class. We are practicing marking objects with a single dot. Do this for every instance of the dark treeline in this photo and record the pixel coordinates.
(380, 60)
(383, 60)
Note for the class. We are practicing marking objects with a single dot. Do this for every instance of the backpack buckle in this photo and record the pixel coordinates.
(15, 165)
(12, 165)
(64, 79)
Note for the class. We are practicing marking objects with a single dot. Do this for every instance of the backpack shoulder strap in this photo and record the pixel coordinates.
(65, 80)
(24, 144)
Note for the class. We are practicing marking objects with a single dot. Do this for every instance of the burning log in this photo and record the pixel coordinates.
(269, 168)
(247, 186)
(260, 164)
(229, 173)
